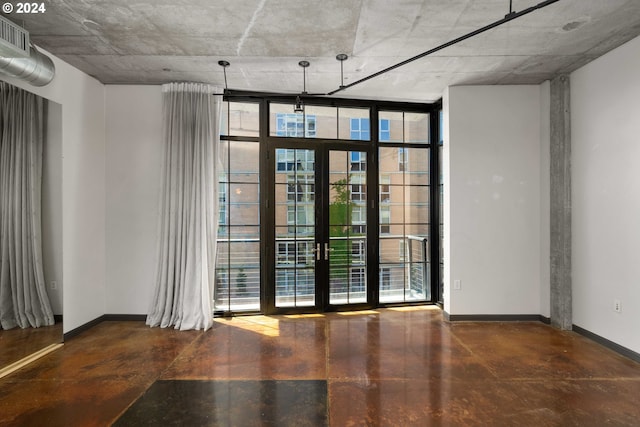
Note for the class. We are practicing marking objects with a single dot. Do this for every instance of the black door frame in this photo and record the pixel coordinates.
(321, 148)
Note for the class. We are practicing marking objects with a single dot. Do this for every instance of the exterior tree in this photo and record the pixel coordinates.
(340, 219)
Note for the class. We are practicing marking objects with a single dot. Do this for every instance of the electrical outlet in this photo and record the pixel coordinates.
(457, 285)
(617, 306)
(54, 285)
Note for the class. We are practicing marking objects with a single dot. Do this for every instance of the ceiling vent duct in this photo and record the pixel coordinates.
(14, 40)
(20, 60)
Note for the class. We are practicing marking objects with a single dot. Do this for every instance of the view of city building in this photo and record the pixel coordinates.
(314, 189)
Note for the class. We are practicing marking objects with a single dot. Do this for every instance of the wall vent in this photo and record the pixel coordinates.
(14, 40)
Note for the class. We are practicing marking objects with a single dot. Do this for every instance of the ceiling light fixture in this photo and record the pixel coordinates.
(342, 57)
(224, 65)
(299, 107)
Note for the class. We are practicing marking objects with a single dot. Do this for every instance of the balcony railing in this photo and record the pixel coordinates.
(237, 285)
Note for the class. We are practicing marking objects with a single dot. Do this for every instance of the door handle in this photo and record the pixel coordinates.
(327, 249)
(317, 251)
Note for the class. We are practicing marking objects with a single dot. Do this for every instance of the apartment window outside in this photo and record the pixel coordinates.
(385, 219)
(357, 251)
(286, 253)
(360, 129)
(358, 161)
(286, 161)
(300, 190)
(358, 192)
(295, 125)
(358, 220)
(385, 188)
(403, 159)
(384, 131)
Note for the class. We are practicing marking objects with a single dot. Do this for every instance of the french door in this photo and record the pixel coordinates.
(319, 228)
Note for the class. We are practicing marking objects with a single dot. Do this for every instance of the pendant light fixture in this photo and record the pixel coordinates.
(224, 65)
(342, 57)
(298, 106)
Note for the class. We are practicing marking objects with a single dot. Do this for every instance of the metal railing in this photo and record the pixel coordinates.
(237, 285)
(417, 266)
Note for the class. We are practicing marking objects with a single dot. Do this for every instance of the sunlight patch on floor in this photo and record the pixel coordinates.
(267, 326)
(304, 316)
(357, 313)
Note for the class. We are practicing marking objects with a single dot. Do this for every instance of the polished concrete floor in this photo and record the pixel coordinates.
(17, 343)
(392, 367)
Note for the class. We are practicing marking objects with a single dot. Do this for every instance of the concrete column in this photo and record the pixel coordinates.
(561, 301)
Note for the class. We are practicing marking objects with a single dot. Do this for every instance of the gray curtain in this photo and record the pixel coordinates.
(23, 297)
(183, 294)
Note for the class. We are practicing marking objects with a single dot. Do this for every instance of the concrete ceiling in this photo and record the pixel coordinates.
(157, 41)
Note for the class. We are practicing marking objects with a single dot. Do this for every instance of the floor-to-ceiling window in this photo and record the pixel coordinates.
(321, 210)
(404, 191)
(238, 278)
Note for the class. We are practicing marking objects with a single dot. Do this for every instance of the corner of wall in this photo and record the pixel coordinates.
(545, 194)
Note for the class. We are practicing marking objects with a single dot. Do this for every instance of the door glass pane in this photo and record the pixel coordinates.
(347, 227)
(295, 228)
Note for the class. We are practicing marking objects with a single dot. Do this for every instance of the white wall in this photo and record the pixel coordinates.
(83, 190)
(52, 259)
(134, 156)
(605, 114)
(493, 184)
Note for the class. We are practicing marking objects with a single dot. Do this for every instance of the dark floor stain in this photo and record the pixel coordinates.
(230, 403)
